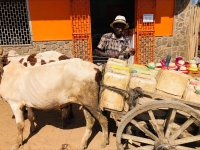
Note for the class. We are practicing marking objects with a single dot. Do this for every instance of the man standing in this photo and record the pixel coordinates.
(112, 43)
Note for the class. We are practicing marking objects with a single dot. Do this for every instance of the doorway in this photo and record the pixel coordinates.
(104, 12)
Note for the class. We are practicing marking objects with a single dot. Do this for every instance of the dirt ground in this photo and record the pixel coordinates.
(49, 135)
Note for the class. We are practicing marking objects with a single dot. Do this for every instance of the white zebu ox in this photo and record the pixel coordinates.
(38, 60)
(52, 86)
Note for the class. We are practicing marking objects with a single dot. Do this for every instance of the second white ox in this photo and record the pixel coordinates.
(53, 86)
(38, 60)
(33, 59)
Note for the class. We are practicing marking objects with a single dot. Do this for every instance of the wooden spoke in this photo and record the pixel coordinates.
(138, 139)
(155, 125)
(170, 126)
(184, 148)
(169, 121)
(182, 128)
(187, 140)
(143, 129)
(144, 148)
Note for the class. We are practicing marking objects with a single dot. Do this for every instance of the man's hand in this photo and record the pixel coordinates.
(131, 51)
(113, 55)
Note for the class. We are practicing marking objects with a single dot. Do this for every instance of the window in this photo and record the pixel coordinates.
(14, 24)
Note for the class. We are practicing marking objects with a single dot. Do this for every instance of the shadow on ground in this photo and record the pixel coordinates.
(53, 118)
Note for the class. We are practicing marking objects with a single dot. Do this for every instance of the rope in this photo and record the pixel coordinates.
(124, 93)
(129, 96)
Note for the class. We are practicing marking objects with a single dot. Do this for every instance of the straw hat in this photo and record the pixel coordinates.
(151, 65)
(181, 62)
(197, 59)
(120, 19)
(158, 65)
(172, 66)
(182, 68)
(192, 61)
(179, 58)
(163, 61)
(193, 67)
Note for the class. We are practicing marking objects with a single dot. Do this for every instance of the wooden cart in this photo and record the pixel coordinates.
(158, 122)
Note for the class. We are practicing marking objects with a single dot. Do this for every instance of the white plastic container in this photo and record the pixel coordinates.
(146, 82)
(110, 99)
(171, 82)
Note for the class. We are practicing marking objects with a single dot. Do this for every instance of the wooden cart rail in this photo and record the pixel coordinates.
(128, 94)
(164, 97)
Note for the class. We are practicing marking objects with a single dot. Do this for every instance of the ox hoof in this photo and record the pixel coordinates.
(83, 147)
(15, 147)
(64, 147)
(103, 145)
(32, 130)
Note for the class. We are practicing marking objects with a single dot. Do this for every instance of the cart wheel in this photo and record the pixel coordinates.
(160, 125)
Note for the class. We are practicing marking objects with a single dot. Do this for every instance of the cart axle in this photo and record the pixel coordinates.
(163, 144)
(164, 147)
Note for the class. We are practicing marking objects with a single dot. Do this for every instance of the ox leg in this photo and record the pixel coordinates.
(65, 114)
(104, 125)
(31, 118)
(89, 124)
(19, 118)
(71, 115)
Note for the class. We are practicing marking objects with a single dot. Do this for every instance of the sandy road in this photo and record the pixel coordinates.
(49, 135)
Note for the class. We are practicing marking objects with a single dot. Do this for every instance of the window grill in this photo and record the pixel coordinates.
(145, 32)
(14, 24)
(81, 31)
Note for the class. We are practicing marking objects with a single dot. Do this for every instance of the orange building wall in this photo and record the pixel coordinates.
(50, 19)
(164, 17)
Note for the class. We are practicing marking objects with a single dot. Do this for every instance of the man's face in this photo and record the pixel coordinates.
(119, 28)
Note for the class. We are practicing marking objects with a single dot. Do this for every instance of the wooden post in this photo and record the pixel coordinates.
(193, 32)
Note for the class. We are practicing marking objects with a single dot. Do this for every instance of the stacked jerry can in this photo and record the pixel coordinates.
(171, 83)
(126, 77)
(116, 75)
